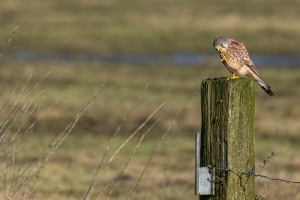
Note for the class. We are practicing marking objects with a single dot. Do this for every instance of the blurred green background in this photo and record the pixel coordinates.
(41, 97)
(168, 26)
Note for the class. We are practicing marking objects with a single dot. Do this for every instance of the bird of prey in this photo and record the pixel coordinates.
(235, 57)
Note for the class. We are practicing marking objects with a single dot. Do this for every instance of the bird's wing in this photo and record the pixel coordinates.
(245, 56)
(247, 61)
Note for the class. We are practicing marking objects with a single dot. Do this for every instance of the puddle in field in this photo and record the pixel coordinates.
(180, 59)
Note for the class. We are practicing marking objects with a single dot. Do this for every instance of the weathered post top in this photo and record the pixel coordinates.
(227, 136)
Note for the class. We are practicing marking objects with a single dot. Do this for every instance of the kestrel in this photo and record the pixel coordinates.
(235, 57)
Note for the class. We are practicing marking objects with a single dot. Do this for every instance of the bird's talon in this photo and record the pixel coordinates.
(232, 77)
(223, 57)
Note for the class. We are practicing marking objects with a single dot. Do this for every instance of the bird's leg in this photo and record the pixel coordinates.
(232, 77)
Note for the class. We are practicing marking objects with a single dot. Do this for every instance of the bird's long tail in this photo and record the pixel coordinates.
(253, 74)
(265, 86)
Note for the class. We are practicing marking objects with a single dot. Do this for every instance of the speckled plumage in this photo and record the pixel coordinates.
(236, 59)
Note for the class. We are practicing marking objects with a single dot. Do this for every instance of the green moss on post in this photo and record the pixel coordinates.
(227, 136)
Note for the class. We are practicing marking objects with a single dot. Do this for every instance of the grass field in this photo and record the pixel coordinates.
(76, 130)
(150, 26)
(41, 160)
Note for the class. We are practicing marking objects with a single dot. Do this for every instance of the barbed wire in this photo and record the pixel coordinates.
(265, 162)
(251, 173)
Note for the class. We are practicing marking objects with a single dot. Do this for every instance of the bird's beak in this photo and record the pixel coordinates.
(218, 47)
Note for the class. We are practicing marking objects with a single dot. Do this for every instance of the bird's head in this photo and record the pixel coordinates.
(221, 44)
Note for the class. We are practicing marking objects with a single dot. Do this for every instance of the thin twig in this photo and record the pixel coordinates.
(9, 42)
(100, 167)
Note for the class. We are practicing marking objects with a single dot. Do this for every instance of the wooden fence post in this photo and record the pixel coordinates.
(227, 136)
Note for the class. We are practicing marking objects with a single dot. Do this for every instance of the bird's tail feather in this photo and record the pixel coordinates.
(254, 76)
(265, 87)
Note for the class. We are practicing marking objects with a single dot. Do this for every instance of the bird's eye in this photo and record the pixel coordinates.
(224, 45)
